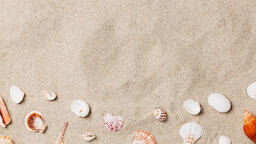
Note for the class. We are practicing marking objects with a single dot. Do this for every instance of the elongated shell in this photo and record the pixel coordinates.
(191, 132)
(4, 113)
(219, 102)
(61, 136)
(144, 137)
(193, 107)
(17, 95)
(49, 95)
(250, 125)
(113, 123)
(34, 122)
(89, 136)
(160, 114)
(80, 108)
(6, 140)
(224, 140)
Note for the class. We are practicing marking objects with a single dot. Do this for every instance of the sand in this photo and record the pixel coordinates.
(127, 57)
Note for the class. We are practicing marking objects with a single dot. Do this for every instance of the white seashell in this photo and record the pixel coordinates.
(160, 114)
(80, 108)
(113, 123)
(49, 95)
(34, 122)
(224, 140)
(251, 90)
(219, 102)
(191, 132)
(17, 95)
(192, 106)
(89, 136)
(2, 122)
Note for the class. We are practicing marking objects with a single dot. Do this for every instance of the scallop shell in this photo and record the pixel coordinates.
(4, 113)
(6, 140)
(61, 136)
(113, 123)
(249, 125)
(17, 95)
(224, 140)
(251, 90)
(192, 106)
(191, 132)
(219, 102)
(144, 137)
(89, 136)
(49, 95)
(160, 114)
(80, 108)
(34, 122)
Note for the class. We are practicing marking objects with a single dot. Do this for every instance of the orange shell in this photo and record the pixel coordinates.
(4, 112)
(5, 140)
(250, 125)
(144, 137)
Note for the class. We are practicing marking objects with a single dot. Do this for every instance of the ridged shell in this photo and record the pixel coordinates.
(191, 132)
(17, 95)
(80, 108)
(49, 95)
(4, 113)
(193, 107)
(34, 122)
(144, 137)
(113, 123)
(250, 125)
(89, 136)
(160, 114)
(224, 140)
(219, 102)
(6, 140)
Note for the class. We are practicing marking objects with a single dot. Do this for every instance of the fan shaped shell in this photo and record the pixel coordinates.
(34, 122)
(113, 123)
(6, 140)
(191, 132)
(144, 137)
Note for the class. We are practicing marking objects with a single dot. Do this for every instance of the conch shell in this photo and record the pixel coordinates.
(250, 125)
(5, 117)
(60, 138)
(34, 122)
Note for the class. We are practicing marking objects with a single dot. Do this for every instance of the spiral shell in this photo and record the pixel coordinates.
(160, 114)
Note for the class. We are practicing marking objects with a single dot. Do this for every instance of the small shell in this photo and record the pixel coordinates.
(160, 114)
(249, 125)
(49, 95)
(224, 140)
(80, 108)
(144, 137)
(4, 113)
(191, 132)
(6, 140)
(61, 136)
(34, 122)
(89, 136)
(17, 95)
(251, 90)
(192, 106)
(2, 122)
(219, 102)
(113, 123)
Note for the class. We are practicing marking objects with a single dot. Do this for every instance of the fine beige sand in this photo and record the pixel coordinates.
(127, 57)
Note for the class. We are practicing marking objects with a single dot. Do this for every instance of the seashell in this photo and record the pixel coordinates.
(219, 102)
(224, 140)
(2, 122)
(144, 137)
(89, 136)
(192, 106)
(160, 114)
(6, 119)
(113, 123)
(6, 140)
(251, 90)
(61, 136)
(49, 95)
(250, 126)
(34, 122)
(80, 108)
(17, 95)
(191, 132)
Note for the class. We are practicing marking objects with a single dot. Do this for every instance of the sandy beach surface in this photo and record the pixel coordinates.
(127, 57)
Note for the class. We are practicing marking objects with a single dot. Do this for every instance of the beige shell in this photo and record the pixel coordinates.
(6, 140)
(61, 136)
(34, 122)
(160, 114)
(89, 136)
(49, 95)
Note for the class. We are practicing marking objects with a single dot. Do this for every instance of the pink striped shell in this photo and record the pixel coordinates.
(113, 123)
(160, 114)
